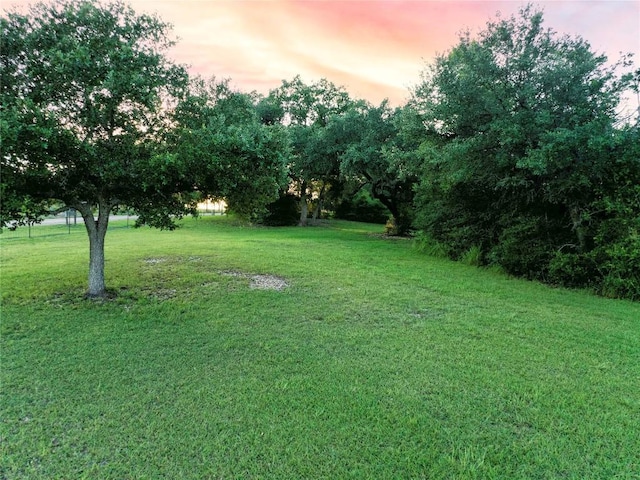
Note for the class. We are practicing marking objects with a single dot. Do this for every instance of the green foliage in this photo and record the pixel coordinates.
(428, 246)
(621, 269)
(522, 156)
(375, 152)
(307, 105)
(82, 86)
(305, 110)
(612, 270)
(285, 211)
(225, 148)
(574, 270)
(526, 245)
(610, 263)
(362, 207)
(472, 257)
(270, 111)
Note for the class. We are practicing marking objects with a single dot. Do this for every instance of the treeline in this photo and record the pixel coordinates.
(528, 166)
(509, 152)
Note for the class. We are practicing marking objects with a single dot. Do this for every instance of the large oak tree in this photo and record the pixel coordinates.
(85, 88)
(305, 110)
(93, 118)
(526, 143)
(376, 151)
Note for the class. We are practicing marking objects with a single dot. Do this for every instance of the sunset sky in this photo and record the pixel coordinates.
(376, 49)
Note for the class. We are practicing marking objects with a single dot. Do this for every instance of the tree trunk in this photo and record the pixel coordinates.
(578, 228)
(317, 210)
(304, 208)
(318, 207)
(96, 229)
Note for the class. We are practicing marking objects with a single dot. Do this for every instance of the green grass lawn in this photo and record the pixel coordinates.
(374, 362)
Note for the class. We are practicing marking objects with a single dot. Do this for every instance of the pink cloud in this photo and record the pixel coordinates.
(376, 48)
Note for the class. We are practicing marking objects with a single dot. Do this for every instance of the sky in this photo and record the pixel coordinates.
(376, 49)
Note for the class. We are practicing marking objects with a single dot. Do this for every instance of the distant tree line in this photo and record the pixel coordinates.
(509, 152)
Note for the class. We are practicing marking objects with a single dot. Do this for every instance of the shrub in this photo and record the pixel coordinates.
(472, 257)
(621, 269)
(362, 208)
(283, 212)
(521, 250)
(611, 270)
(427, 245)
(574, 270)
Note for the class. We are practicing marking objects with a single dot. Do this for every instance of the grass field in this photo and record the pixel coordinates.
(373, 361)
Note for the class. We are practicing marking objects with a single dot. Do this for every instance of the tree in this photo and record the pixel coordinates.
(523, 120)
(609, 262)
(306, 109)
(83, 88)
(377, 152)
(90, 120)
(232, 155)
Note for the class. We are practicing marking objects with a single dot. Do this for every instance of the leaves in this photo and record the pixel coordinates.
(84, 83)
(526, 146)
(226, 150)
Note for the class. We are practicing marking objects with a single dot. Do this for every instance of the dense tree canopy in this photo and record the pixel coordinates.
(376, 152)
(527, 143)
(306, 110)
(231, 154)
(87, 122)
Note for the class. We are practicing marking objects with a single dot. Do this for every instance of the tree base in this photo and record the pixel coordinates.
(108, 294)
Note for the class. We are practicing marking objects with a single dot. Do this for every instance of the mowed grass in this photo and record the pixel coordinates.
(374, 362)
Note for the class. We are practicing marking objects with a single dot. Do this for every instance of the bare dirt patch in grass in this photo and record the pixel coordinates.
(260, 282)
(155, 260)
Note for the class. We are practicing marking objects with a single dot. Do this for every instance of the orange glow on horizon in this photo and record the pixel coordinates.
(376, 49)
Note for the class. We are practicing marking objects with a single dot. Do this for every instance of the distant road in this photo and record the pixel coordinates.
(63, 220)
